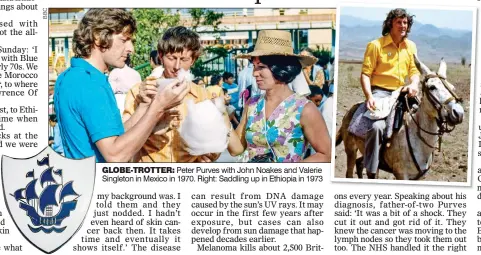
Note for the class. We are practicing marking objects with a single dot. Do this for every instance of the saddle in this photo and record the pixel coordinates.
(361, 124)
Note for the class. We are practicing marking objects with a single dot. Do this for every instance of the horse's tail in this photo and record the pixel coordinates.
(338, 137)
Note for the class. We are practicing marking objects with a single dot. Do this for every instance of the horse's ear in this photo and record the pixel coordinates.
(423, 69)
(442, 68)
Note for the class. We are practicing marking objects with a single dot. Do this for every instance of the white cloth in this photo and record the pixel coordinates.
(383, 106)
(327, 112)
(299, 85)
(123, 79)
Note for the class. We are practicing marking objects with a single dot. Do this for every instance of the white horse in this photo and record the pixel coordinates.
(409, 155)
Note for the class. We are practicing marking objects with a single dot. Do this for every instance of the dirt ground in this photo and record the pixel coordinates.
(451, 164)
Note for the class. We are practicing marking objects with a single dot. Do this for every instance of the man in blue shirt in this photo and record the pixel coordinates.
(89, 120)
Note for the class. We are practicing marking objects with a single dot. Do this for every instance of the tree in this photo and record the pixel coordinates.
(323, 55)
(205, 17)
(463, 61)
(151, 23)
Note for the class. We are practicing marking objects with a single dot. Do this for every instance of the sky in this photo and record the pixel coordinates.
(454, 19)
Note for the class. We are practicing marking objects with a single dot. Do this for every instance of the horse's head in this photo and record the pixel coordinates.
(444, 105)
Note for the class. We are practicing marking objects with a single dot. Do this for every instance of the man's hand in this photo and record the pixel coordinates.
(411, 89)
(371, 104)
(227, 98)
(147, 90)
(169, 120)
(171, 96)
(207, 158)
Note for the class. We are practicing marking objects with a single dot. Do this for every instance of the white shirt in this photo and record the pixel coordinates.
(245, 79)
(327, 112)
(330, 69)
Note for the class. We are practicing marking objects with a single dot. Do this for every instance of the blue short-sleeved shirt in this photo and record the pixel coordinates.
(233, 91)
(86, 110)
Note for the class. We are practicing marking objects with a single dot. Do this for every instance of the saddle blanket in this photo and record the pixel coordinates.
(361, 124)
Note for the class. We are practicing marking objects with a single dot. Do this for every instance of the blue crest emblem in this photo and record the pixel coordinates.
(48, 196)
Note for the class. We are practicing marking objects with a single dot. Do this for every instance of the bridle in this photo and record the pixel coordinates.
(437, 104)
(441, 121)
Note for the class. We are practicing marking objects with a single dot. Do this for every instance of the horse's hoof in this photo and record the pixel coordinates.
(371, 176)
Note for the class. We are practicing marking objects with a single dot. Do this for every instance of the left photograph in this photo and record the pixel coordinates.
(192, 85)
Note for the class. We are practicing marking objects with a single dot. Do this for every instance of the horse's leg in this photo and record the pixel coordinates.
(400, 175)
(359, 167)
(350, 148)
(351, 161)
(349, 140)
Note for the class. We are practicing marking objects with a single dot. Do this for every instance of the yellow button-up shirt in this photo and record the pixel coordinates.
(215, 91)
(388, 65)
(175, 149)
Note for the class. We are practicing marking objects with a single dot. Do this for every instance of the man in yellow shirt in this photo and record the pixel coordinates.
(178, 49)
(388, 61)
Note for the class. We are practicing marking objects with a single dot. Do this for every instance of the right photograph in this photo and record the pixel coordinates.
(404, 93)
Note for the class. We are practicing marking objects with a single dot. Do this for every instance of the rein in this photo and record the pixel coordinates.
(440, 106)
(441, 121)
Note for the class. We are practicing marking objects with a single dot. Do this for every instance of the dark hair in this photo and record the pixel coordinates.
(225, 91)
(249, 50)
(315, 90)
(393, 14)
(101, 24)
(52, 118)
(283, 68)
(197, 80)
(227, 75)
(176, 39)
(154, 56)
(214, 80)
(331, 60)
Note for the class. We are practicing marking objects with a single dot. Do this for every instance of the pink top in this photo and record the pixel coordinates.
(122, 79)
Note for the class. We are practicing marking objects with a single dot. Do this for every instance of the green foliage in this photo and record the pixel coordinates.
(463, 61)
(205, 17)
(200, 70)
(323, 55)
(151, 23)
(219, 51)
